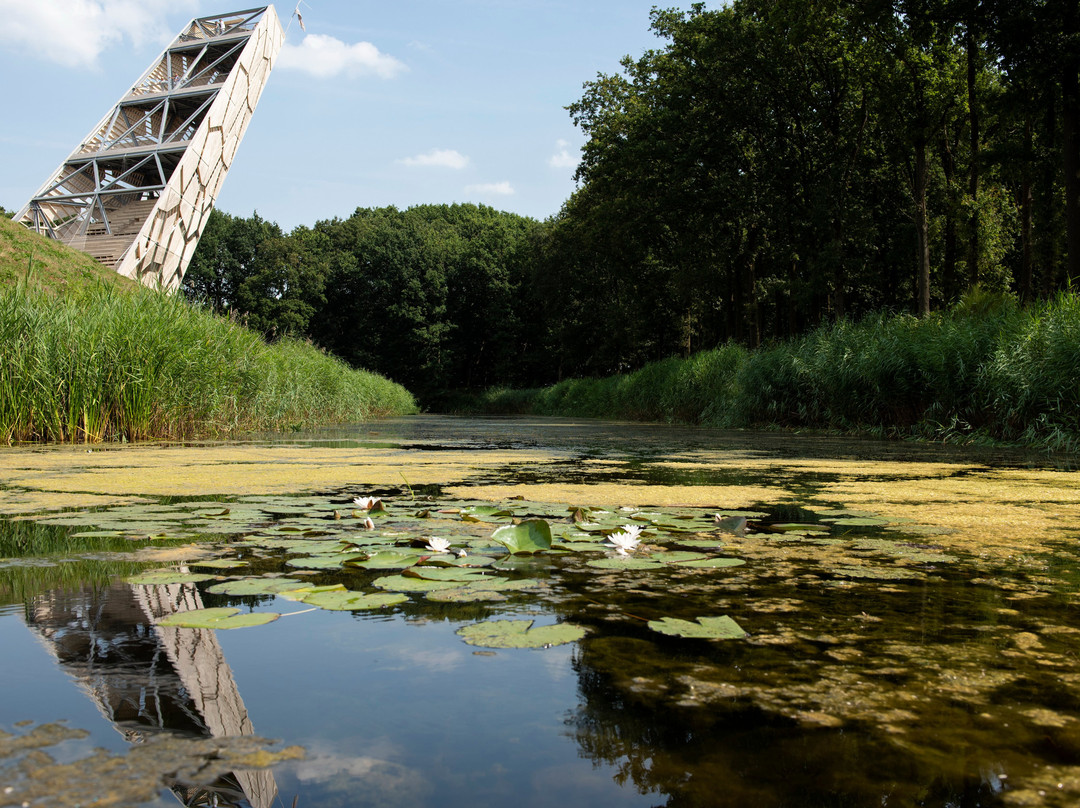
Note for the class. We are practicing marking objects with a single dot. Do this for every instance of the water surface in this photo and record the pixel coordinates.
(913, 643)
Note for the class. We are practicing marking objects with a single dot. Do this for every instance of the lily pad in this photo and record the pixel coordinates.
(353, 601)
(624, 563)
(317, 562)
(161, 577)
(385, 561)
(463, 575)
(519, 634)
(712, 563)
(711, 543)
(861, 521)
(531, 536)
(490, 583)
(299, 593)
(399, 583)
(465, 594)
(706, 628)
(223, 617)
(221, 563)
(584, 546)
(254, 586)
(679, 556)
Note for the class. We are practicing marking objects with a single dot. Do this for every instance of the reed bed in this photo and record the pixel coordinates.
(100, 363)
(986, 370)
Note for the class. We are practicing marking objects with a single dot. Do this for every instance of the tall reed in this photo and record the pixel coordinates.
(985, 369)
(101, 363)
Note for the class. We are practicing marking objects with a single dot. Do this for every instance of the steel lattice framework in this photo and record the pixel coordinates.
(137, 191)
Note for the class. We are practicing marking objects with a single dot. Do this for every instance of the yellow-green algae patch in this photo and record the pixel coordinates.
(236, 470)
(33, 777)
(16, 502)
(614, 495)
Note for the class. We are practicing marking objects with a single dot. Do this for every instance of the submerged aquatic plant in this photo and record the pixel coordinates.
(626, 540)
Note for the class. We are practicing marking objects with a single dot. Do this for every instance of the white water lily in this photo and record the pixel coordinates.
(366, 503)
(369, 524)
(437, 545)
(626, 540)
(461, 553)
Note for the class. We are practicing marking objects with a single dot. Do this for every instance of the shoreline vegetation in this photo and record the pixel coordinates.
(988, 370)
(92, 358)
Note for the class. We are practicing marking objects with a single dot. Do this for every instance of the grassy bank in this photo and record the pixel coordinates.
(988, 369)
(86, 357)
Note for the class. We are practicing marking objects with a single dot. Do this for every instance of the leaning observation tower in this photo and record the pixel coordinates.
(136, 193)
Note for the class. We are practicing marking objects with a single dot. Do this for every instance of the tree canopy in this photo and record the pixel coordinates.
(771, 165)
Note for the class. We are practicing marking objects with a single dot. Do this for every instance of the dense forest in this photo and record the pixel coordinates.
(770, 167)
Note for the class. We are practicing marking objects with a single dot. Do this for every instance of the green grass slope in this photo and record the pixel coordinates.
(87, 355)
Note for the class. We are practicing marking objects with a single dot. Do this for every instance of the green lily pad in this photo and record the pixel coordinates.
(583, 546)
(223, 617)
(679, 556)
(712, 563)
(353, 601)
(470, 561)
(299, 593)
(317, 562)
(465, 594)
(444, 573)
(791, 527)
(861, 521)
(387, 560)
(254, 586)
(220, 563)
(519, 634)
(531, 536)
(624, 563)
(160, 577)
(399, 583)
(490, 583)
(709, 543)
(706, 628)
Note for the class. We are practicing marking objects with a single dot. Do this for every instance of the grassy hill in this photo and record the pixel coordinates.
(89, 355)
(56, 267)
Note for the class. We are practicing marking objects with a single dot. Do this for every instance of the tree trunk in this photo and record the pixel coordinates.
(972, 47)
(1026, 204)
(1070, 125)
(922, 228)
(949, 281)
(839, 298)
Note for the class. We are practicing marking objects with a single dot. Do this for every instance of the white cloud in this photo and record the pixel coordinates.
(443, 158)
(325, 57)
(491, 189)
(563, 158)
(75, 32)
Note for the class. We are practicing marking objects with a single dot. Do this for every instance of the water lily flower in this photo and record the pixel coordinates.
(626, 540)
(461, 553)
(437, 545)
(370, 525)
(366, 503)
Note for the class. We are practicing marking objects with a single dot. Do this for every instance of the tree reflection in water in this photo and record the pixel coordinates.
(736, 755)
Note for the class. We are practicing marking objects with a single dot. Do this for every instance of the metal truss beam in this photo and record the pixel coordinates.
(137, 190)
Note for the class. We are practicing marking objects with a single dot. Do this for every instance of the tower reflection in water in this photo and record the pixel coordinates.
(147, 679)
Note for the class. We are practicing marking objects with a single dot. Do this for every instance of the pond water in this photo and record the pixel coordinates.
(805, 621)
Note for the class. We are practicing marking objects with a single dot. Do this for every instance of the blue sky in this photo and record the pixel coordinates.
(391, 103)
